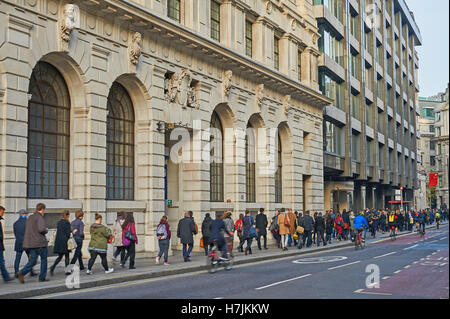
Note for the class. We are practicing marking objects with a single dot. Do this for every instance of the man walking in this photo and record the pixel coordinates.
(5, 273)
(261, 228)
(36, 242)
(320, 229)
(308, 225)
(186, 231)
(19, 233)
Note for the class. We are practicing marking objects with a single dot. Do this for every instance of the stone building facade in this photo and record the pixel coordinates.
(90, 92)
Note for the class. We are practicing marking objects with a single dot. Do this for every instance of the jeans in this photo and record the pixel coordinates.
(78, 255)
(34, 254)
(164, 248)
(5, 273)
(18, 258)
(187, 250)
(94, 255)
(258, 239)
(60, 256)
(120, 250)
(131, 252)
(221, 246)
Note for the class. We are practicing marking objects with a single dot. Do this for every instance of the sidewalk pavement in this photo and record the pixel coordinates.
(146, 268)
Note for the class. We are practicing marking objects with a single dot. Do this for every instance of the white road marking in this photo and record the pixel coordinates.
(411, 247)
(282, 282)
(396, 272)
(387, 277)
(433, 242)
(360, 291)
(443, 238)
(219, 298)
(406, 267)
(344, 265)
(394, 252)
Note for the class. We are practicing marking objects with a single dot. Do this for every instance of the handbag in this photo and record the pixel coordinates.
(300, 229)
(286, 221)
(202, 243)
(110, 239)
(71, 244)
(129, 235)
(252, 232)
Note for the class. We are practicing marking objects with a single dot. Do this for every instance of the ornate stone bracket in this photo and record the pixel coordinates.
(259, 95)
(69, 21)
(226, 83)
(286, 104)
(135, 48)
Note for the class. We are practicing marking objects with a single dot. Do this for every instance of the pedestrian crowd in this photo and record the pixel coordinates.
(289, 229)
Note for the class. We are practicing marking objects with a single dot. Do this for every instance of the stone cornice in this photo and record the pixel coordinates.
(227, 57)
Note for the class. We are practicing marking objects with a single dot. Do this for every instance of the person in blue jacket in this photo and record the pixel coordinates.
(359, 223)
(19, 233)
(217, 233)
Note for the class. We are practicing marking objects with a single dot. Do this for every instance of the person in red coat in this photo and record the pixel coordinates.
(130, 245)
(339, 221)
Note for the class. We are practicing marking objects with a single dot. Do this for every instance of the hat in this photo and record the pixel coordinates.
(23, 211)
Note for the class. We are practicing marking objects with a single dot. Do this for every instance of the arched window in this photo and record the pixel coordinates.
(48, 134)
(216, 166)
(120, 145)
(278, 173)
(250, 152)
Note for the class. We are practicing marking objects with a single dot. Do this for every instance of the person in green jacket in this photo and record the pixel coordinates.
(99, 244)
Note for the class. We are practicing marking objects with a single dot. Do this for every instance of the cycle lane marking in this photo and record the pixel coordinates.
(282, 282)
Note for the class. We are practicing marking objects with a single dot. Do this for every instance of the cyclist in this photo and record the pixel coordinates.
(392, 220)
(218, 229)
(438, 219)
(358, 224)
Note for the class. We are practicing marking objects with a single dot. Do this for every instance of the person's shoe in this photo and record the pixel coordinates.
(122, 265)
(246, 252)
(89, 272)
(82, 268)
(188, 259)
(20, 277)
(16, 276)
(250, 252)
(223, 259)
(9, 279)
(52, 270)
(132, 267)
(110, 270)
(45, 280)
(259, 248)
(68, 273)
(266, 248)
(114, 259)
(157, 260)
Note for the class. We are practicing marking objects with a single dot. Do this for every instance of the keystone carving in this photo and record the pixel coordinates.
(68, 23)
(227, 82)
(259, 95)
(286, 104)
(135, 48)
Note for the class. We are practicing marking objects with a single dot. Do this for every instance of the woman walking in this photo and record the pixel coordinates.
(239, 228)
(229, 227)
(99, 244)
(247, 223)
(63, 231)
(339, 226)
(328, 227)
(206, 232)
(129, 243)
(117, 233)
(284, 227)
(163, 234)
(78, 236)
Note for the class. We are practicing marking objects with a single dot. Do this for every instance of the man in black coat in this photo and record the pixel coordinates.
(3, 270)
(19, 233)
(206, 232)
(319, 224)
(186, 231)
(261, 228)
(307, 222)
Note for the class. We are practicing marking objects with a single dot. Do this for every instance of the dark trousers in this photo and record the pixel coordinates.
(258, 239)
(18, 258)
(328, 238)
(164, 249)
(34, 254)
(187, 250)
(78, 255)
(58, 259)
(207, 244)
(94, 255)
(5, 273)
(320, 233)
(120, 250)
(131, 252)
(307, 238)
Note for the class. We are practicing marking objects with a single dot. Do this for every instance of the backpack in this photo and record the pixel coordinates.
(239, 225)
(161, 231)
(391, 218)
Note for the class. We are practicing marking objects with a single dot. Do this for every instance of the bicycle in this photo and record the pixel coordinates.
(393, 234)
(214, 260)
(359, 240)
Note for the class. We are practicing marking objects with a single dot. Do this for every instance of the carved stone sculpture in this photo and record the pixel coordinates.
(227, 82)
(286, 105)
(259, 94)
(68, 22)
(135, 48)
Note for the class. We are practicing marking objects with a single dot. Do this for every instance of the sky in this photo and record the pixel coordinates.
(432, 17)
